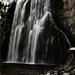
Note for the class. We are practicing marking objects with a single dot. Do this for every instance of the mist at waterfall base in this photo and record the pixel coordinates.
(35, 38)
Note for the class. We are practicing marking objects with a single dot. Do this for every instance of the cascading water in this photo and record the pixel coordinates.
(36, 38)
(17, 26)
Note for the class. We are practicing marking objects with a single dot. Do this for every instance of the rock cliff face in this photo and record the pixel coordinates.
(64, 15)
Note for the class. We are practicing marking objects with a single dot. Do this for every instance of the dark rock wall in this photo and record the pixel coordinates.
(6, 24)
(63, 12)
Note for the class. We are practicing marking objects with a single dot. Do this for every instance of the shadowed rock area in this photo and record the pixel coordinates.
(63, 12)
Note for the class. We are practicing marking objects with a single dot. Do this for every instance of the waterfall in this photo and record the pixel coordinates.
(35, 38)
(36, 31)
(17, 26)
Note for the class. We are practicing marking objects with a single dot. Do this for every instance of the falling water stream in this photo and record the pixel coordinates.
(36, 39)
